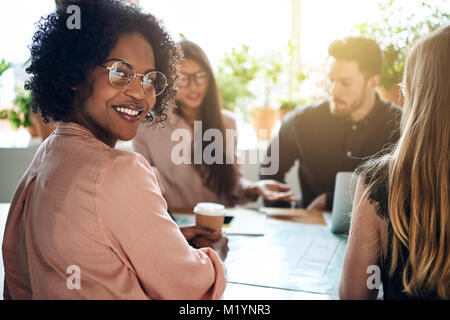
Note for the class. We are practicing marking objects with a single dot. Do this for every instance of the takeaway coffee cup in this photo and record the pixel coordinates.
(209, 215)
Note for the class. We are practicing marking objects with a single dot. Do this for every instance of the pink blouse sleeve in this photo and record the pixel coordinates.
(133, 217)
(139, 144)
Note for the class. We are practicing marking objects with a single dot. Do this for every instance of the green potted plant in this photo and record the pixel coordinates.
(265, 117)
(234, 73)
(21, 114)
(396, 36)
(18, 116)
(4, 66)
(288, 104)
(296, 79)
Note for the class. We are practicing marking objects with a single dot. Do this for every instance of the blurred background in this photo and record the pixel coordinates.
(268, 56)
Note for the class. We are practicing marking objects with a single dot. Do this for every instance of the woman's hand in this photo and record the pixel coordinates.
(194, 231)
(219, 245)
(272, 190)
(200, 237)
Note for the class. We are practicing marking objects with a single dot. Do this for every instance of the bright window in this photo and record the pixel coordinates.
(217, 26)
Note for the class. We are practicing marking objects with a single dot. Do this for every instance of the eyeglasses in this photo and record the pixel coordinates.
(200, 78)
(122, 74)
(402, 86)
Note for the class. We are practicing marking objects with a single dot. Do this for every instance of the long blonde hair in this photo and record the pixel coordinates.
(419, 172)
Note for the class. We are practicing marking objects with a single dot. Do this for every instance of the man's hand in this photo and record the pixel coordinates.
(272, 190)
(319, 203)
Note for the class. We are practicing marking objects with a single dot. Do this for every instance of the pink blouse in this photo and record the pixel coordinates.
(183, 184)
(84, 206)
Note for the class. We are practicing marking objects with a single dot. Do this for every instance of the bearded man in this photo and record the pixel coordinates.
(339, 133)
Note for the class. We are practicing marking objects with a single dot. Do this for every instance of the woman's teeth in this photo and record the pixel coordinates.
(127, 111)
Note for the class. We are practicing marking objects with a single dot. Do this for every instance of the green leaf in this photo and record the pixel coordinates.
(396, 37)
(4, 66)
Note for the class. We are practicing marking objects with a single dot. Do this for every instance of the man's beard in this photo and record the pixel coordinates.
(344, 112)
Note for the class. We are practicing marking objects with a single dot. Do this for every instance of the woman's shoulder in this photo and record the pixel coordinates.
(125, 161)
(154, 133)
(229, 120)
(122, 172)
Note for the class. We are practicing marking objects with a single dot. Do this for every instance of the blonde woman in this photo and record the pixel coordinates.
(400, 225)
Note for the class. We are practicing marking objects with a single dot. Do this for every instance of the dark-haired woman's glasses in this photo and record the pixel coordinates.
(199, 78)
(122, 74)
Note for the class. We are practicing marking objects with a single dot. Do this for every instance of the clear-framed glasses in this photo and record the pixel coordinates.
(402, 86)
(122, 74)
(200, 78)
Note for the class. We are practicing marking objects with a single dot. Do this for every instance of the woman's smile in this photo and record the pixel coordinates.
(129, 111)
(194, 96)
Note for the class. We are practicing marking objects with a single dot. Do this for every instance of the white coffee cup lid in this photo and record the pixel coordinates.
(210, 208)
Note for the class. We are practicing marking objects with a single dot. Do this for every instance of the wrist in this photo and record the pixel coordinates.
(252, 190)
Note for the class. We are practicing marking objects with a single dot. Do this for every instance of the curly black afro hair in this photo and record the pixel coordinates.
(61, 57)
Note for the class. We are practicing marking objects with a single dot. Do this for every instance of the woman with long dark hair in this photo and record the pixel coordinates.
(400, 231)
(179, 152)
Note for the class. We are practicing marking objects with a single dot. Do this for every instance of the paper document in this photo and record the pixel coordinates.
(244, 222)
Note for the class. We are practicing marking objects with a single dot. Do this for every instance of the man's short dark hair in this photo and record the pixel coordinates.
(365, 51)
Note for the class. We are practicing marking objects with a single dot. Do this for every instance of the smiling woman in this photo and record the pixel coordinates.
(82, 52)
(88, 221)
(113, 107)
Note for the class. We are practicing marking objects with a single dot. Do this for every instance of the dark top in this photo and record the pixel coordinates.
(378, 196)
(326, 144)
